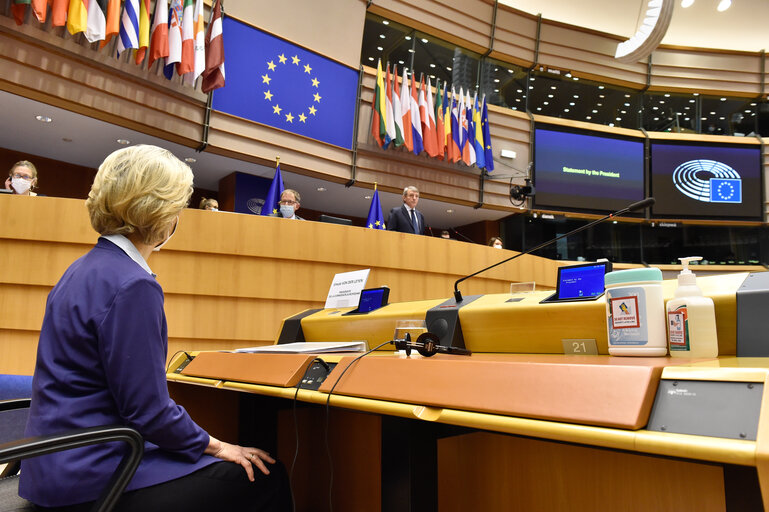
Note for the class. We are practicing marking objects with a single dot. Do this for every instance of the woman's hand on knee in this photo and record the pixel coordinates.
(242, 455)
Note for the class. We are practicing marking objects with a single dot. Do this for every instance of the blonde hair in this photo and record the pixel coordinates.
(30, 165)
(139, 189)
(297, 197)
(208, 202)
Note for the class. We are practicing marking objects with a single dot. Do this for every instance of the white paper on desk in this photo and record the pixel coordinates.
(345, 289)
(313, 347)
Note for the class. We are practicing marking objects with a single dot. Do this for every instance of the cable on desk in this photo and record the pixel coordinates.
(328, 414)
(174, 357)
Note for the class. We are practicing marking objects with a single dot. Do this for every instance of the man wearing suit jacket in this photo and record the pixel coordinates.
(406, 218)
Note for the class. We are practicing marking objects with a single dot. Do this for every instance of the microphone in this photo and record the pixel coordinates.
(640, 205)
(431, 230)
(427, 344)
(463, 236)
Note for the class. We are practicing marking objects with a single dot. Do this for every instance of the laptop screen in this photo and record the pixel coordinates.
(372, 299)
(579, 281)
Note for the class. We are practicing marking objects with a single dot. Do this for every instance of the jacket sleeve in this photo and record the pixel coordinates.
(392, 220)
(133, 347)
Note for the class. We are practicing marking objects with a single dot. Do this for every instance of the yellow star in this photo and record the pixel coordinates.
(274, 211)
(315, 82)
(377, 223)
(295, 59)
(289, 118)
(313, 110)
(268, 96)
(276, 109)
(282, 58)
(488, 147)
(307, 69)
(302, 117)
(271, 65)
(266, 79)
(371, 225)
(317, 97)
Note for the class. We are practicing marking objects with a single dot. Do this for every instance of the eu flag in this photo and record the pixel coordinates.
(271, 206)
(375, 218)
(724, 190)
(273, 82)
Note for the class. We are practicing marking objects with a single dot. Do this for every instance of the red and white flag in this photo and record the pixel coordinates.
(159, 36)
(213, 76)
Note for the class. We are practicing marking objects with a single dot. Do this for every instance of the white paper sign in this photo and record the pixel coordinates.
(345, 289)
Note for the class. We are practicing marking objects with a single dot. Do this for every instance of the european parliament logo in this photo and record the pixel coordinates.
(708, 181)
(276, 83)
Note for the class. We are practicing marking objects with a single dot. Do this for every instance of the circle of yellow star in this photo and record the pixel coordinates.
(307, 69)
(289, 118)
(312, 110)
(317, 97)
(276, 109)
(266, 79)
(315, 82)
(282, 58)
(268, 96)
(295, 59)
(271, 65)
(302, 117)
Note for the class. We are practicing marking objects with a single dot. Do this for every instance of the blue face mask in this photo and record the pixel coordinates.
(287, 210)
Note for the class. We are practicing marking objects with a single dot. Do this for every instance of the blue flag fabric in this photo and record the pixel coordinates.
(375, 218)
(488, 152)
(273, 82)
(271, 206)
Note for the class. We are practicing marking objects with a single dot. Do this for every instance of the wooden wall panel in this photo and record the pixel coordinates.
(229, 279)
(515, 37)
(733, 73)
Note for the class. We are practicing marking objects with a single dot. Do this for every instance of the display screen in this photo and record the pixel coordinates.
(705, 180)
(372, 299)
(586, 171)
(581, 281)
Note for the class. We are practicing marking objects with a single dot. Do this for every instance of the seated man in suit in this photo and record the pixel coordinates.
(406, 218)
(289, 204)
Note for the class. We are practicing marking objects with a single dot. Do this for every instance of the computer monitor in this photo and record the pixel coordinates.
(580, 282)
(371, 299)
(335, 220)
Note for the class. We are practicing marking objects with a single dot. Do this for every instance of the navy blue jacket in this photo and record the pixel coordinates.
(400, 220)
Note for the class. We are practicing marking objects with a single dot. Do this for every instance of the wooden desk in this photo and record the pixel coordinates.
(487, 432)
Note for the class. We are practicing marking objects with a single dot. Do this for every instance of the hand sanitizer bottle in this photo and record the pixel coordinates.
(691, 318)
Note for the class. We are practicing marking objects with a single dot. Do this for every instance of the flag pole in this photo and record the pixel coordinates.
(277, 161)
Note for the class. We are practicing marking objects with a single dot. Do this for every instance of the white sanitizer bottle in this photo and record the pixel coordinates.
(691, 318)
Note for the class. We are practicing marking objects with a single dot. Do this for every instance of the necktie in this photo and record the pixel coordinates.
(414, 221)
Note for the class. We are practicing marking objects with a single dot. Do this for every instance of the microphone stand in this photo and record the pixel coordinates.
(633, 207)
(463, 236)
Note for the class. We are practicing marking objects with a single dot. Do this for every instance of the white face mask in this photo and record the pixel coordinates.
(287, 210)
(497, 246)
(164, 242)
(20, 185)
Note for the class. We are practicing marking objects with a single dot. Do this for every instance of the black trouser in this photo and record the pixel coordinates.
(220, 486)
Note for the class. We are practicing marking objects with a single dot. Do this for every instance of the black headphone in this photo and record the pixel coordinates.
(427, 345)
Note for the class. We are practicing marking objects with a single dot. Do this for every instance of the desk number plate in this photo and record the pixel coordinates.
(579, 346)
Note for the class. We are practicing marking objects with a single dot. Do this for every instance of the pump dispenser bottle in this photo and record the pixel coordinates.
(691, 318)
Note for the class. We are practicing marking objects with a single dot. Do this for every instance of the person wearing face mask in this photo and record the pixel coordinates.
(209, 204)
(289, 204)
(496, 242)
(406, 218)
(22, 178)
(101, 361)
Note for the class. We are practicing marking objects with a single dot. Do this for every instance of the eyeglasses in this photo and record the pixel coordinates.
(287, 202)
(22, 176)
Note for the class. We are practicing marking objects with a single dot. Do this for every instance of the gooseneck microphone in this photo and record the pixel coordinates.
(640, 205)
(463, 236)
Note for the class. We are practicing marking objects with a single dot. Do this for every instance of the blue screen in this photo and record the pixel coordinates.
(585, 171)
(370, 300)
(581, 281)
(706, 180)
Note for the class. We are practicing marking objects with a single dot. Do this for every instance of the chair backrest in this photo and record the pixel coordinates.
(15, 386)
(13, 420)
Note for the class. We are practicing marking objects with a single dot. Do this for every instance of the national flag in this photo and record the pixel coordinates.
(187, 63)
(428, 134)
(129, 27)
(77, 16)
(174, 37)
(378, 108)
(375, 219)
(112, 24)
(468, 154)
(144, 30)
(446, 107)
(59, 13)
(40, 9)
(488, 155)
(271, 206)
(440, 136)
(397, 119)
(199, 41)
(19, 9)
(96, 26)
(390, 119)
(159, 36)
(454, 150)
(480, 159)
(462, 122)
(416, 122)
(408, 136)
(437, 150)
(213, 76)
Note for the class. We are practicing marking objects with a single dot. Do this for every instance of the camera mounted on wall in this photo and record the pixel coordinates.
(519, 193)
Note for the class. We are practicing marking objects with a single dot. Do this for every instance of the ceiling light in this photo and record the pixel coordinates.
(574, 78)
(321, 189)
(190, 160)
(723, 99)
(546, 103)
(723, 5)
(600, 86)
(496, 80)
(686, 3)
(379, 48)
(572, 103)
(695, 94)
(382, 36)
(448, 69)
(408, 38)
(43, 119)
(588, 118)
(449, 211)
(651, 31)
(401, 62)
(385, 22)
(424, 40)
(367, 197)
(553, 87)
(432, 65)
(371, 59)
(510, 71)
(667, 95)
(124, 142)
(539, 108)
(549, 95)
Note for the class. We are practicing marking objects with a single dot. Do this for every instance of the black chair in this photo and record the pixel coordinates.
(35, 446)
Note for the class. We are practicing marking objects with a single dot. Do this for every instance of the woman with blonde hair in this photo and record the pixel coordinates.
(101, 361)
(22, 178)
